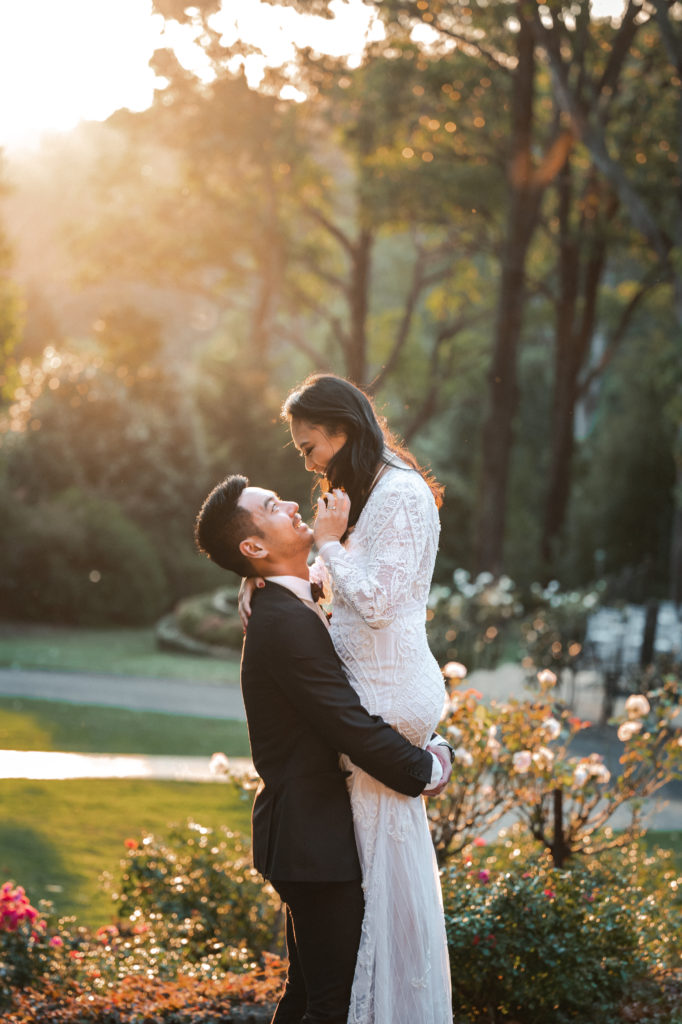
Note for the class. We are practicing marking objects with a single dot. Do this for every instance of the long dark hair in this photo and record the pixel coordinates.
(335, 404)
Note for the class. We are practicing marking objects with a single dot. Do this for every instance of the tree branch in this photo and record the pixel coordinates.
(403, 332)
(651, 281)
(333, 229)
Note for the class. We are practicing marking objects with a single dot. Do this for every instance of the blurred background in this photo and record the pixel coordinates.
(473, 210)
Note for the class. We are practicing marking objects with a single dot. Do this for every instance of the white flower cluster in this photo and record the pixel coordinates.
(493, 746)
(637, 707)
(552, 595)
(552, 728)
(495, 592)
(454, 670)
(523, 760)
(591, 767)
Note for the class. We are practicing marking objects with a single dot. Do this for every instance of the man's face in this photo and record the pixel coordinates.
(285, 535)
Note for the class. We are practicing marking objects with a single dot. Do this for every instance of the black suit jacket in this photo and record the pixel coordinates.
(301, 713)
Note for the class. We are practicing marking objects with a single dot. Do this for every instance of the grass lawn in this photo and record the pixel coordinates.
(667, 841)
(57, 838)
(127, 652)
(52, 725)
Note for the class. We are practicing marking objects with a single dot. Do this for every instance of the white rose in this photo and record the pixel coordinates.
(319, 575)
(455, 733)
(522, 761)
(552, 727)
(494, 747)
(627, 730)
(637, 706)
(454, 670)
(543, 757)
(546, 677)
(600, 772)
(580, 775)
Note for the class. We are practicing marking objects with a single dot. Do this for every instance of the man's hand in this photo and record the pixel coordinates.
(442, 752)
(331, 518)
(249, 584)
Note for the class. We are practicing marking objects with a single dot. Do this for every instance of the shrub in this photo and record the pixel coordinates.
(534, 943)
(474, 621)
(77, 558)
(515, 757)
(485, 620)
(198, 886)
(554, 626)
(212, 619)
(27, 951)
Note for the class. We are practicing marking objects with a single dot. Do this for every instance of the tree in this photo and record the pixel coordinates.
(338, 198)
(590, 101)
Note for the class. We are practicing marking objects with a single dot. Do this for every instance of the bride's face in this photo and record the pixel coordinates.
(316, 444)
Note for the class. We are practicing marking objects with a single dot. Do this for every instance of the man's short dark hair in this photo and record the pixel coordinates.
(222, 525)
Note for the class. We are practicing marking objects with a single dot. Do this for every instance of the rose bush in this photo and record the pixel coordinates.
(29, 949)
(534, 944)
(514, 758)
(199, 884)
(474, 621)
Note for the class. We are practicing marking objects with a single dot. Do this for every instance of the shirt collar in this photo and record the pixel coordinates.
(297, 586)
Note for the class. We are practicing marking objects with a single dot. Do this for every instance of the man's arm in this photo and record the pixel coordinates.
(317, 685)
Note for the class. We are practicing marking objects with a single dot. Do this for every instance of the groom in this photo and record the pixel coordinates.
(301, 713)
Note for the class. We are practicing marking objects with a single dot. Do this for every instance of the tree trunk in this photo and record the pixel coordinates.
(524, 205)
(580, 276)
(676, 534)
(358, 292)
(269, 277)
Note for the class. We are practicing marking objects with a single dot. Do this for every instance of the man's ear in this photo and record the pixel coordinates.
(253, 547)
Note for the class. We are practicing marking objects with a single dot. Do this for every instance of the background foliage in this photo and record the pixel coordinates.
(490, 254)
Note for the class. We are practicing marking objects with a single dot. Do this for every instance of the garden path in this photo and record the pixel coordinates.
(134, 693)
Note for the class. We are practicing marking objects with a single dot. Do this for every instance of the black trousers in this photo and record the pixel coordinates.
(323, 924)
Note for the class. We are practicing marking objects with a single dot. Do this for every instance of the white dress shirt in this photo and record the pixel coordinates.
(301, 589)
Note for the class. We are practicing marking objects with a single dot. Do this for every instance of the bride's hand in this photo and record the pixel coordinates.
(248, 585)
(331, 519)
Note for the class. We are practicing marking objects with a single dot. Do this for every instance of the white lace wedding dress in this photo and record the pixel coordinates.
(380, 582)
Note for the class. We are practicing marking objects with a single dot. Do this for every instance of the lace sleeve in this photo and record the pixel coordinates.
(402, 521)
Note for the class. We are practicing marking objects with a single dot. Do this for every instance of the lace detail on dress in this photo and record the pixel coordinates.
(396, 555)
(381, 581)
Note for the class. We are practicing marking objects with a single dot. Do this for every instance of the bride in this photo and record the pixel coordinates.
(376, 532)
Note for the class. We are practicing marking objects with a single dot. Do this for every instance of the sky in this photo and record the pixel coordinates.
(63, 61)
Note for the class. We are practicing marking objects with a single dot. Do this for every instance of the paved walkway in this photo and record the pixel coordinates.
(135, 693)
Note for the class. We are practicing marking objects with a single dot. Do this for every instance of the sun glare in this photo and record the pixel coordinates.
(72, 60)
